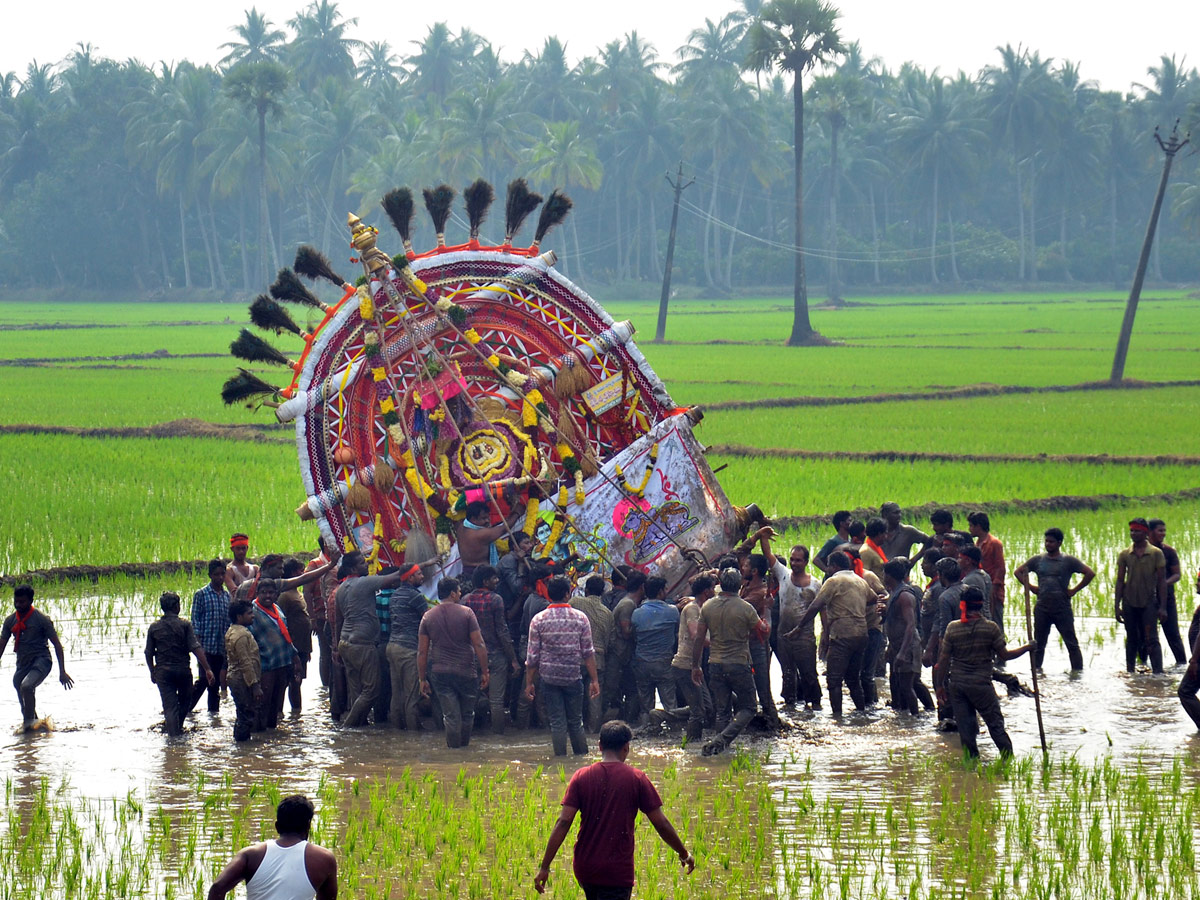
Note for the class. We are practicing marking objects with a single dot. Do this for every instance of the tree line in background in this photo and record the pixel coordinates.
(123, 176)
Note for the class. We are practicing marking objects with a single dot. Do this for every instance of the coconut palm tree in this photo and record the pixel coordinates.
(320, 48)
(795, 36)
(939, 136)
(258, 41)
(564, 158)
(259, 88)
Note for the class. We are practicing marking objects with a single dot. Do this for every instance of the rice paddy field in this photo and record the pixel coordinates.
(108, 445)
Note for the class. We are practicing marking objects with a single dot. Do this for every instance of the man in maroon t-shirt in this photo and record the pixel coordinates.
(609, 794)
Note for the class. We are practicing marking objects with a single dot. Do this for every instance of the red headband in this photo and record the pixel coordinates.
(239, 541)
(411, 572)
(1138, 526)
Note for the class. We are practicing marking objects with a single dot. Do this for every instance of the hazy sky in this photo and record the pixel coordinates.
(1115, 43)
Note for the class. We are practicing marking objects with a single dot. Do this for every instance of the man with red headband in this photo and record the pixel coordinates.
(32, 631)
(408, 605)
(1141, 595)
(239, 570)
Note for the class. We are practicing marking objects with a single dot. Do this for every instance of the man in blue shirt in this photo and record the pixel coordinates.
(210, 621)
(655, 628)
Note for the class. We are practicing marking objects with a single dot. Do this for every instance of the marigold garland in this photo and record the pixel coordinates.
(640, 490)
(556, 529)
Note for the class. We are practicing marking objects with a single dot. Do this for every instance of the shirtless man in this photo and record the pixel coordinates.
(477, 539)
(898, 539)
(288, 868)
(239, 570)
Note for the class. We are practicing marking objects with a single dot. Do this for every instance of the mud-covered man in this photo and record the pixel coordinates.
(32, 633)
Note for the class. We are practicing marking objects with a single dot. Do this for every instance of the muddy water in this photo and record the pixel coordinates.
(109, 739)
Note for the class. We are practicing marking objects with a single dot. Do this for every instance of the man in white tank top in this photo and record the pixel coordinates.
(289, 868)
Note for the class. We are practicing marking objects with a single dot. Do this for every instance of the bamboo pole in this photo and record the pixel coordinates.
(1037, 693)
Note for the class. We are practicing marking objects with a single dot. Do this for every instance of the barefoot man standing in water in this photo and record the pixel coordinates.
(609, 794)
(288, 868)
(32, 632)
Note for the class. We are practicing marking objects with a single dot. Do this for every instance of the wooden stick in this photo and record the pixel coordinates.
(1037, 693)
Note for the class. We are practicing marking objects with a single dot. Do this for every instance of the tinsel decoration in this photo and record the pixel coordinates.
(556, 209)
(313, 264)
(438, 201)
(244, 386)
(521, 201)
(478, 196)
(268, 315)
(398, 204)
(252, 348)
(291, 289)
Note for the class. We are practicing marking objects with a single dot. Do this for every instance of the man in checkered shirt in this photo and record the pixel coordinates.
(210, 620)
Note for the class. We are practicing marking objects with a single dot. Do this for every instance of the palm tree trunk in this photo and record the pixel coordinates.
(933, 237)
(242, 245)
(183, 245)
(1020, 222)
(578, 274)
(874, 233)
(655, 259)
(208, 251)
(835, 289)
(953, 249)
(1033, 275)
(212, 221)
(264, 215)
(1062, 242)
(802, 330)
(737, 214)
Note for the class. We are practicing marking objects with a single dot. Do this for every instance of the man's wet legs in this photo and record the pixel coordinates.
(970, 699)
(843, 663)
(732, 686)
(26, 680)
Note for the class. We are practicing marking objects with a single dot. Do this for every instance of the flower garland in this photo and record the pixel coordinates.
(572, 467)
(556, 528)
(640, 490)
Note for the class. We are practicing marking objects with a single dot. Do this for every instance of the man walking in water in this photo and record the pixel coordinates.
(287, 868)
(32, 632)
(1054, 570)
(609, 794)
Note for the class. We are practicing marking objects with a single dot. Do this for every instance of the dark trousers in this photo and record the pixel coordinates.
(1187, 696)
(622, 692)
(201, 687)
(1057, 613)
(760, 664)
(564, 709)
(697, 700)
(247, 709)
(903, 695)
(922, 692)
(1170, 629)
(969, 699)
(274, 685)
(871, 657)
(605, 892)
(493, 701)
(383, 697)
(325, 652)
(651, 676)
(733, 691)
(844, 662)
(26, 680)
(175, 688)
(798, 657)
(456, 694)
(1141, 636)
(362, 680)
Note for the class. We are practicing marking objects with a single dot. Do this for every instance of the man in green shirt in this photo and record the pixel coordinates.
(1141, 595)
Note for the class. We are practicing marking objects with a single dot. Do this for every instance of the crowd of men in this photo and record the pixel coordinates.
(517, 643)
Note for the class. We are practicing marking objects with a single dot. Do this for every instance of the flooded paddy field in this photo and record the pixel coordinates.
(880, 805)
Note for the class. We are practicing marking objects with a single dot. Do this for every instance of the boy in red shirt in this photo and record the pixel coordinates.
(609, 794)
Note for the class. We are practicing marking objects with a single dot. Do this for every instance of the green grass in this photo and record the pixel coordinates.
(456, 833)
(87, 501)
(1138, 422)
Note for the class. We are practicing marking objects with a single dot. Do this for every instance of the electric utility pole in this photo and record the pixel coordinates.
(1169, 147)
(679, 187)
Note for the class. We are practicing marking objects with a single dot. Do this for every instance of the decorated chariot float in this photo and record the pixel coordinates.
(480, 374)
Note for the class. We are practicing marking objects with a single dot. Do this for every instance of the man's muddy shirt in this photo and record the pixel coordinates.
(1141, 576)
(1054, 574)
(972, 647)
(34, 640)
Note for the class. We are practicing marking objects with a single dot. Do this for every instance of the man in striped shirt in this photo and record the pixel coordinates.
(560, 642)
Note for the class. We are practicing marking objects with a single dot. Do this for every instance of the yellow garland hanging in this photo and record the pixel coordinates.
(640, 490)
(560, 522)
(373, 566)
(472, 335)
(494, 361)
(531, 515)
(419, 485)
(580, 494)
(444, 470)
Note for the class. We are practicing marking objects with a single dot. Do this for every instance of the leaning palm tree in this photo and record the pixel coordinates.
(795, 35)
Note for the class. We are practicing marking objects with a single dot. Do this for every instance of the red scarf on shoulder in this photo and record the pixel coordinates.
(874, 546)
(19, 626)
(272, 613)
